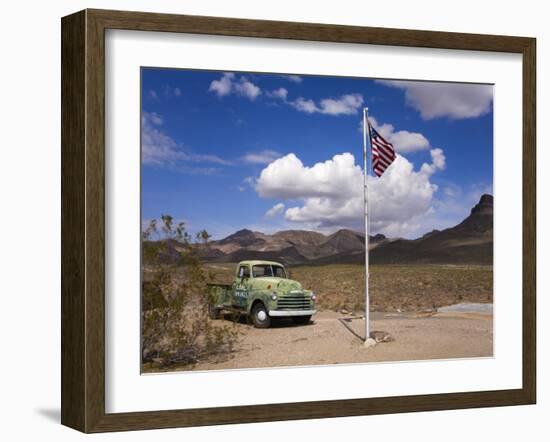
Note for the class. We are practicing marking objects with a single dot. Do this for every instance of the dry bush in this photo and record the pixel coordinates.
(176, 327)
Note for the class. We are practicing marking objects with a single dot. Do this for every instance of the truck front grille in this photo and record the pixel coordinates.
(295, 301)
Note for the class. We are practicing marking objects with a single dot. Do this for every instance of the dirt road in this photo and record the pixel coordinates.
(327, 341)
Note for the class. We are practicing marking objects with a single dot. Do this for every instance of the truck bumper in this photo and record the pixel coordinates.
(292, 312)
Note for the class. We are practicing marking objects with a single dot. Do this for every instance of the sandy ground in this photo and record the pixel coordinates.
(451, 334)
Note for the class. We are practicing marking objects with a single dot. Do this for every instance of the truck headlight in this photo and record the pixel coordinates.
(274, 296)
(313, 297)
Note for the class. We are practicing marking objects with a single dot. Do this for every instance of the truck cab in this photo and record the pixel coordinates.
(263, 290)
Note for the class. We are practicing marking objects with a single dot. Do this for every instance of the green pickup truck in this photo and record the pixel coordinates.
(262, 290)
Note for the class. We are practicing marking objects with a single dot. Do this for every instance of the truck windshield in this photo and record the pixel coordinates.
(266, 270)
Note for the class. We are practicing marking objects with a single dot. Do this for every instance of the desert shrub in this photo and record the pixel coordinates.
(176, 327)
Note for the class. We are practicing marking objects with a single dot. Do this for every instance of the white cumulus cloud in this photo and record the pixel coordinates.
(403, 141)
(330, 194)
(277, 209)
(247, 89)
(438, 162)
(288, 178)
(229, 84)
(280, 93)
(222, 86)
(453, 100)
(303, 105)
(348, 104)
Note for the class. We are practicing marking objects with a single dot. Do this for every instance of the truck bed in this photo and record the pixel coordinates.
(220, 293)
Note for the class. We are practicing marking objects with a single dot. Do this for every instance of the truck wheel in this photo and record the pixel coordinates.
(213, 312)
(260, 317)
(301, 320)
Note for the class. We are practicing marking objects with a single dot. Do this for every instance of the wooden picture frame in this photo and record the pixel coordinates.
(83, 220)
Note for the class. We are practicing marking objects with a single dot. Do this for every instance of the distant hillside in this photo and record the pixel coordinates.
(470, 242)
(288, 246)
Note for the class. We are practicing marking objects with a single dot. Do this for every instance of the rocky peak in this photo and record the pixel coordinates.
(377, 238)
(244, 237)
(484, 206)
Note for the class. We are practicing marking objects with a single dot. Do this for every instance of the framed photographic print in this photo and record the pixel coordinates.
(267, 221)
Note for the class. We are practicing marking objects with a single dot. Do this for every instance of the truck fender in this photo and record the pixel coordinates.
(262, 296)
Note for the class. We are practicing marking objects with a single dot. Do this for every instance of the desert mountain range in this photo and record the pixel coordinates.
(470, 242)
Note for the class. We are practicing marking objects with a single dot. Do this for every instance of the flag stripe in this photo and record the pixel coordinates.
(386, 150)
(386, 154)
(383, 153)
(383, 143)
(388, 158)
(384, 161)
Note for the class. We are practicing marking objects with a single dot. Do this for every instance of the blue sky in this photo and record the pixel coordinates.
(226, 151)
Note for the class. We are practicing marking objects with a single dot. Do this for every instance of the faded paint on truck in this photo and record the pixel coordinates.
(261, 290)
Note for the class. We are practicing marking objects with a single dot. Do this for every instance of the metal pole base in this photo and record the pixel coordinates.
(369, 343)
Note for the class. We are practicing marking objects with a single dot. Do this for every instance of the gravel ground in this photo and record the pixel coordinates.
(327, 341)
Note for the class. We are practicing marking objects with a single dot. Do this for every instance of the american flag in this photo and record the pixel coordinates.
(383, 153)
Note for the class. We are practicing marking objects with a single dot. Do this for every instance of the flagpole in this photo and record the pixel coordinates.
(368, 341)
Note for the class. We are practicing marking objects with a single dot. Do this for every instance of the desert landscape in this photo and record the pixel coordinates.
(416, 337)
(430, 298)
(469, 242)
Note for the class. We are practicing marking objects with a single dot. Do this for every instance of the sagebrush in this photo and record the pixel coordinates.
(176, 327)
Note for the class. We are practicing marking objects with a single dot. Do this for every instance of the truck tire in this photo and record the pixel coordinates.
(301, 320)
(213, 312)
(260, 317)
